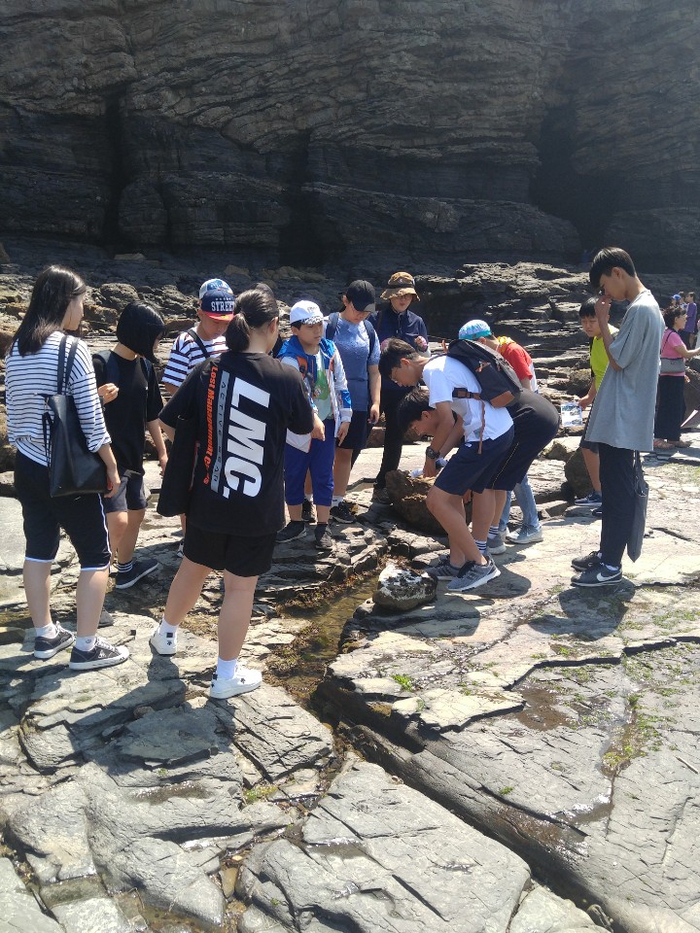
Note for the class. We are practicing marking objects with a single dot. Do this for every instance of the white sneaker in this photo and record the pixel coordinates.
(496, 543)
(525, 535)
(163, 644)
(243, 681)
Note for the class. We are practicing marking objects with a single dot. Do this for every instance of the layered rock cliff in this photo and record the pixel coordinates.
(348, 128)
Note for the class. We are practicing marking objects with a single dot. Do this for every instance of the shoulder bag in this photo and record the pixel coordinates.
(671, 364)
(73, 469)
(641, 497)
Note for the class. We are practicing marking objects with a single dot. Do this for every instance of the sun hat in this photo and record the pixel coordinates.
(360, 294)
(214, 285)
(472, 330)
(400, 284)
(218, 304)
(305, 312)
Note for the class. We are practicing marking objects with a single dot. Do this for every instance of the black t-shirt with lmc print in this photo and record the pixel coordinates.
(244, 403)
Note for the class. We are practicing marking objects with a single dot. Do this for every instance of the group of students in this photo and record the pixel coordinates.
(263, 424)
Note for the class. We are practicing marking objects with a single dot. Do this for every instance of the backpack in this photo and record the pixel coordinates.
(332, 326)
(499, 383)
(112, 366)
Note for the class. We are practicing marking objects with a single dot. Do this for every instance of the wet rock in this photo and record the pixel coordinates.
(19, 910)
(399, 588)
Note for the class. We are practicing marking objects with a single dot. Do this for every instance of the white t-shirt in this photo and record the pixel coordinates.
(443, 374)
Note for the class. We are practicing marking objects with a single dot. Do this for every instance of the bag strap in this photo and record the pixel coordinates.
(200, 343)
(332, 325)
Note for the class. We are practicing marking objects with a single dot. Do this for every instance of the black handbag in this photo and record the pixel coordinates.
(176, 486)
(73, 469)
(641, 497)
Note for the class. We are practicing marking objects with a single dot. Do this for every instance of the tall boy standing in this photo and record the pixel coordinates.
(622, 418)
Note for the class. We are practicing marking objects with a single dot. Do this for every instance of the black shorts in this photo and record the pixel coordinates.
(468, 468)
(242, 556)
(588, 445)
(131, 496)
(81, 517)
(356, 438)
(535, 423)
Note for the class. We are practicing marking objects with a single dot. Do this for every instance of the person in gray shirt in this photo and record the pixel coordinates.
(622, 417)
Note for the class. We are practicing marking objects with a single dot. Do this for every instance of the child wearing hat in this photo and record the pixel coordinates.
(206, 338)
(318, 360)
(396, 320)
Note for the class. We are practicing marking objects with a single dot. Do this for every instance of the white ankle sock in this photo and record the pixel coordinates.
(47, 631)
(165, 629)
(85, 642)
(225, 670)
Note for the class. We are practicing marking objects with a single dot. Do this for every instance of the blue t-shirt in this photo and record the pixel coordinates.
(353, 344)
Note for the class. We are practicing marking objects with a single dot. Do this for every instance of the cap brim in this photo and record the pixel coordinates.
(219, 317)
(399, 293)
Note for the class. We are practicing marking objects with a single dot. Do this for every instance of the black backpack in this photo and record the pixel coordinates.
(499, 383)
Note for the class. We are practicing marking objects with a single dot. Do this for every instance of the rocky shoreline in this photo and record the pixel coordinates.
(520, 759)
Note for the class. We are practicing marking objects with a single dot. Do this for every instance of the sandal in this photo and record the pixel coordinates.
(663, 445)
(682, 444)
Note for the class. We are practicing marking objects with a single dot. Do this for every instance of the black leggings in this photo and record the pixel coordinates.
(617, 485)
(393, 436)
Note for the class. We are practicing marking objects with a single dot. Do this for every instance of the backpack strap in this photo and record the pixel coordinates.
(332, 325)
(198, 340)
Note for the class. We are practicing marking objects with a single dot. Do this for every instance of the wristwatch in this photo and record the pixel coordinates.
(431, 454)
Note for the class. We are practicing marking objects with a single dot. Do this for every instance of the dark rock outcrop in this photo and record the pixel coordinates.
(343, 130)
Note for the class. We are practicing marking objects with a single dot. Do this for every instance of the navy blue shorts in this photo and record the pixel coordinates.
(81, 517)
(245, 557)
(469, 469)
(131, 496)
(356, 438)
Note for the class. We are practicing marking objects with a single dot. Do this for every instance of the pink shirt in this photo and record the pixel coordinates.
(669, 342)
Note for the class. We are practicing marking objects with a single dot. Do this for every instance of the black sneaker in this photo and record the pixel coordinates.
(342, 513)
(45, 648)
(597, 513)
(323, 540)
(380, 495)
(291, 532)
(585, 563)
(598, 576)
(139, 570)
(102, 655)
(307, 512)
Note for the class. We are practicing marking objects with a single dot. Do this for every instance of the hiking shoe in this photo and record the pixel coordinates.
(473, 575)
(381, 496)
(525, 535)
(496, 543)
(291, 532)
(163, 644)
(597, 576)
(593, 498)
(102, 655)
(243, 681)
(307, 512)
(597, 513)
(323, 541)
(343, 513)
(105, 619)
(443, 569)
(45, 648)
(585, 563)
(139, 570)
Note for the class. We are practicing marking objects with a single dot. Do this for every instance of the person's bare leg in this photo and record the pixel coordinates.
(184, 591)
(37, 590)
(592, 461)
(116, 526)
(234, 617)
(89, 599)
(342, 467)
(449, 511)
(483, 510)
(127, 545)
(322, 514)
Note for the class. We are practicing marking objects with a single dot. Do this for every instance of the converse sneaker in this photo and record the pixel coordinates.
(585, 563)
(525, 535)
(496, 543)
(139, 570)
(443, 569)
(291, 532)
(45, 648)
(342, 513)
(243, 681)
(163, 644)
(102, 655)
(473, 575)
(599, 575)
(593, 498)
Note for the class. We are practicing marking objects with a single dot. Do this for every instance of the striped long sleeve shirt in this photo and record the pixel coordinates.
(29, 378)
(186, 354)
